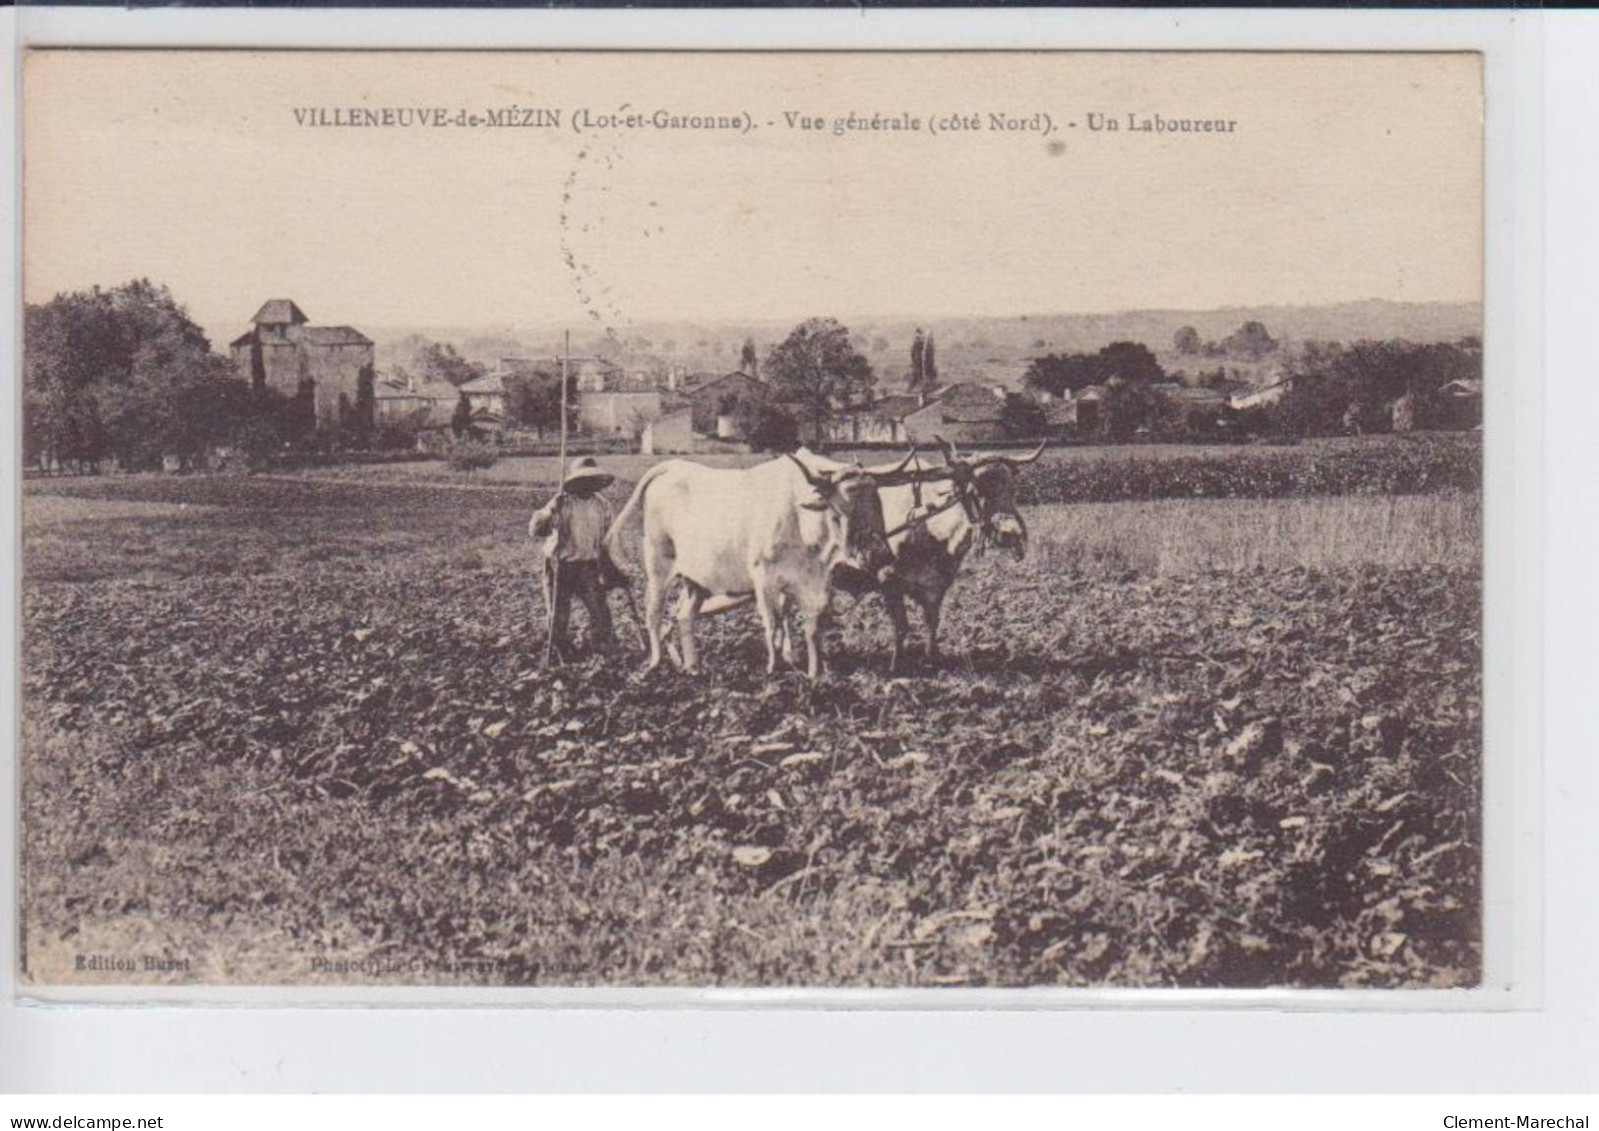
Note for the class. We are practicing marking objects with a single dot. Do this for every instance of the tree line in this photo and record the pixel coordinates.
(124, 375)
(1316, 389)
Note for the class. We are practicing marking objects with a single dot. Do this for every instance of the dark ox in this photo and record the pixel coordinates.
(932, 528)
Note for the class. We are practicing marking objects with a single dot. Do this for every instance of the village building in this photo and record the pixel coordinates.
(1060, 416)
(1191, 408)
(961, 414)
(1460, 403)
(1262, 396)
(282, 349)
(592, 374)
(416, 402)
(1088, 407)
(881, 422)
(619, 412)
(716, 401)
(672, 434)
(486, 395)
(607, 399)
(610, 402)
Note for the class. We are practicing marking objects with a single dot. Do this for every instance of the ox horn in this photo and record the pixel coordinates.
(1032, 457)
(950, 455)
(1014, 461)
(899, 475)
(904, 463)
(821, 482)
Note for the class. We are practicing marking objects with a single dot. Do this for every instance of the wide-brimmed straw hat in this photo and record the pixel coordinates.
(586, 473)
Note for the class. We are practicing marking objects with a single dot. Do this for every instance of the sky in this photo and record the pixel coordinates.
(1341, 177)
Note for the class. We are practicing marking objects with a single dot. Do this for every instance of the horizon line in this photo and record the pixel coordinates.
(930, 319)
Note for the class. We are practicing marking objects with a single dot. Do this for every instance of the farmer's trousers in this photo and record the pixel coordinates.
(587, 581)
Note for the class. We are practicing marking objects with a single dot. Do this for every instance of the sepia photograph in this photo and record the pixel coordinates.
(772, 520)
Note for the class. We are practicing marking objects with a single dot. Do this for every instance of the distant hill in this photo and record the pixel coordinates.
(979, 349)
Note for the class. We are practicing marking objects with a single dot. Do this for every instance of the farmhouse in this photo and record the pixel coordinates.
(608, 401)
(1193, 407)
(1262, 396)
(965, 413)
(618, 412)
(1460, 403)
(881, 422)
(717, 400)
(283, 349)
(588, 374)
(593, 374)
(1088, 407)
(486, 394)
(410, 400)
(1060, 416)
(618, 405)
(669, 434)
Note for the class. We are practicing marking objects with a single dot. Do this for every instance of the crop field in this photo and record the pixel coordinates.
(1418, 463)
(303, 735)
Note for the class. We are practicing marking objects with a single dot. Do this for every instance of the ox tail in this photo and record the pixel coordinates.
(613, 536)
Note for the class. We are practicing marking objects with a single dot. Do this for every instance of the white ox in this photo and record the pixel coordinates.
(774, 531)
(931, 528)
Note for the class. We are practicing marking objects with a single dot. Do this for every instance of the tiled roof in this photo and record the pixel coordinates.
(711, 383)
(335, 336)
(488, 383)
(278, 312)
(964, 404)
(1192, 394)
(895, 407)
(424, 390)
(972, 414)
(968, 394)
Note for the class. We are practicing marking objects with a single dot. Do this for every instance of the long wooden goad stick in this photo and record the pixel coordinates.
(554, 564)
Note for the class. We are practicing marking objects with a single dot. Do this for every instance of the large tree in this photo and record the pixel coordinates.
(1251, 342)
(1132, 362)
(533, 400)
(1022, 418)
(818, 370)
(439, 361)
(123, 372)
(1328, 382)
(1059, 374)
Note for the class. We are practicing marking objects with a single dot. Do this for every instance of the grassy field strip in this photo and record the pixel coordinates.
(74, 538)
(1172, 537)
(1072, 472)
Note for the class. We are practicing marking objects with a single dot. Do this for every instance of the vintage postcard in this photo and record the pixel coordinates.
(776, 519)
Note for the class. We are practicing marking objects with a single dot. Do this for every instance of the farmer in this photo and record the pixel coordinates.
(573, 524)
